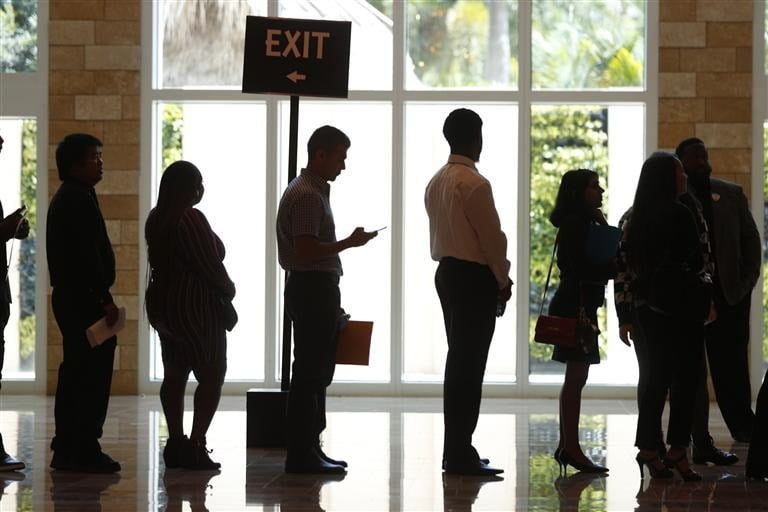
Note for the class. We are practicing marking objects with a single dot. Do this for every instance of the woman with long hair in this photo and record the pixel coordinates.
(582, 285)
(662, 248)
(188, 301)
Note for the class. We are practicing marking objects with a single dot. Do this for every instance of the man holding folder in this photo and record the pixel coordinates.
(472, 282)
(308, 250)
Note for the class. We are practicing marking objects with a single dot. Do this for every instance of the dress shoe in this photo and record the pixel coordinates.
(707, 452)
(471, 468)
(9, 463)
(196, 457)
(173, 453)
(329, 460)
(310, 462)
(483, 460)
(565, 459)
(98, 462)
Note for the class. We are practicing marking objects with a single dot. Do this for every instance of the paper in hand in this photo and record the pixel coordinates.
(100, 332)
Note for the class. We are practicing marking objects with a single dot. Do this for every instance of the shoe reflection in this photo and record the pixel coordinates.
(460, 491)
(570, 488)
(80, 491)
(187, 486)
(673, 495)
(267, 485)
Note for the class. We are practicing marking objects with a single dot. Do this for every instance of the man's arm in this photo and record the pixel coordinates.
(751, 249)
(309, 249)
(480, 210)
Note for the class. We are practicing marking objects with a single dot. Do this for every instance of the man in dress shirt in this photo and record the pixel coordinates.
(737, 253)
(82, 269)
(472, 282)
(13, 226)
(308, 250)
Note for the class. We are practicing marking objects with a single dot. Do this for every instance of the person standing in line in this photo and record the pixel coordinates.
(737, 254)
(309, 251)
(582, 286)
(189, 303)
(472, 281)
(81, 265)
(13, 226)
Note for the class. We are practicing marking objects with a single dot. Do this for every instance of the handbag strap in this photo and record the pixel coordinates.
(549, 273)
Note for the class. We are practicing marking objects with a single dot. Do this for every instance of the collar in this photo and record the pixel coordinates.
(462, 160)
(318, 182)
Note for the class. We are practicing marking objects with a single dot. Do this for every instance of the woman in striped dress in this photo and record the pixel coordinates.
(188, 302)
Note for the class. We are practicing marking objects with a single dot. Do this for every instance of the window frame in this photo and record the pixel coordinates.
(524, 96)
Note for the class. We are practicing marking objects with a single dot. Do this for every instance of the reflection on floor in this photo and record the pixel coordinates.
(393, 447)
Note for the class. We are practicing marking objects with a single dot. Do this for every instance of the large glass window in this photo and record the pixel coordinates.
(559, 84)
(18, 183)
(18, 36)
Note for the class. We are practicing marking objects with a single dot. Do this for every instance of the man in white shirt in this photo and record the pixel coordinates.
(472, 281)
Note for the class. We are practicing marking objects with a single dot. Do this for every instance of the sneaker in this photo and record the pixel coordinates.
(9, 463)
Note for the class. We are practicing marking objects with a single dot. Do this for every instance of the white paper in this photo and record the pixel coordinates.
(99, 332)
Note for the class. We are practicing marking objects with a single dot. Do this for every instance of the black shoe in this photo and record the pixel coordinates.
(61, 461)
(476, 468)
(174, 451)
(9, 463)
(98, 462)
(566, 460)
(707, 452)
(196, 457)
(326, 458)
(482, 460)
(310, 462)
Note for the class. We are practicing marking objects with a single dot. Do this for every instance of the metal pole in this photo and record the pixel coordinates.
(293, 142)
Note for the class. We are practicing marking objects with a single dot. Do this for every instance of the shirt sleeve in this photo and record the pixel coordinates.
(199, 244)
(480, 210)
(622, 284)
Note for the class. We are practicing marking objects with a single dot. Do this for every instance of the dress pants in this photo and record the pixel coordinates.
(727, 349)
(468, 295)
(85, 376)
(313, 302)
(674, 351)
(5, 313)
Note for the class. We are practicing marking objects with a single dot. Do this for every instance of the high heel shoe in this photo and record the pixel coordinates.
(173, 453)
(655, 466)
(688, 475)
(556, 456)
(197, 457)
(566, 460)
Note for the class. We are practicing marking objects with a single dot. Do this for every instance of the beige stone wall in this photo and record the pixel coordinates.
(705, 81)
(94, 87)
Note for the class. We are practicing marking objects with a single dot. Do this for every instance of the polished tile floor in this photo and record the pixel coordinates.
(393, 447)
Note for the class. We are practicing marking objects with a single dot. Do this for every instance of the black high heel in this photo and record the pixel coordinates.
(556, 456)
(658, 471)
(566, 460)
(173, 453)
(689, 475)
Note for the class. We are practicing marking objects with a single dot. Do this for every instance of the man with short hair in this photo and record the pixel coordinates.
(737, 254)
(13, 226)
(309, 251)
(81, 265)
(472, 281)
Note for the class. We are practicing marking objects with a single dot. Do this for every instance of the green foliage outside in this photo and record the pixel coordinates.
(562, 138)
(27, 248)
(588, 45)
(18, 35)
(173, 121)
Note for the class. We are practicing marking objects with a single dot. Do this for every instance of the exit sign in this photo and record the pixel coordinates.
(296, 57)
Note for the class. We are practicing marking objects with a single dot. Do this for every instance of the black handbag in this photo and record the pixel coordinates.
(228, 313)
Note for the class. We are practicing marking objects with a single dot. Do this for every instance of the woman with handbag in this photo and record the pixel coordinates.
(189, 303)
(673, 296)
(580, 292)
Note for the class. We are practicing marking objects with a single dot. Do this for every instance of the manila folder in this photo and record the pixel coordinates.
(354, 343)
(100, 332)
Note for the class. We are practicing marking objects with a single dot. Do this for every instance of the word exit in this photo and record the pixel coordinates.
(281, 43)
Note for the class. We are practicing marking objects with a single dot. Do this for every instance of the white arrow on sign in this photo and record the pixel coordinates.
(295, 76)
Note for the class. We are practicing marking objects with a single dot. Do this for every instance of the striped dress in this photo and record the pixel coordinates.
(185, 292)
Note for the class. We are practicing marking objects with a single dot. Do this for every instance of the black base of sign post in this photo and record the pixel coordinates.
(265, 418)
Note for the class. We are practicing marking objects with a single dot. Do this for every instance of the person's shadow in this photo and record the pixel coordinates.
(80, 491)
(460, 492)
(189, 486)
(266, 484)
(570, 488)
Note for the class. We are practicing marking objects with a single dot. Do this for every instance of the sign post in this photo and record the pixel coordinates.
(294, 57)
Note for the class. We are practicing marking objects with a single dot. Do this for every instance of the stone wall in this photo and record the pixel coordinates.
(94, 87)
(705, 81)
